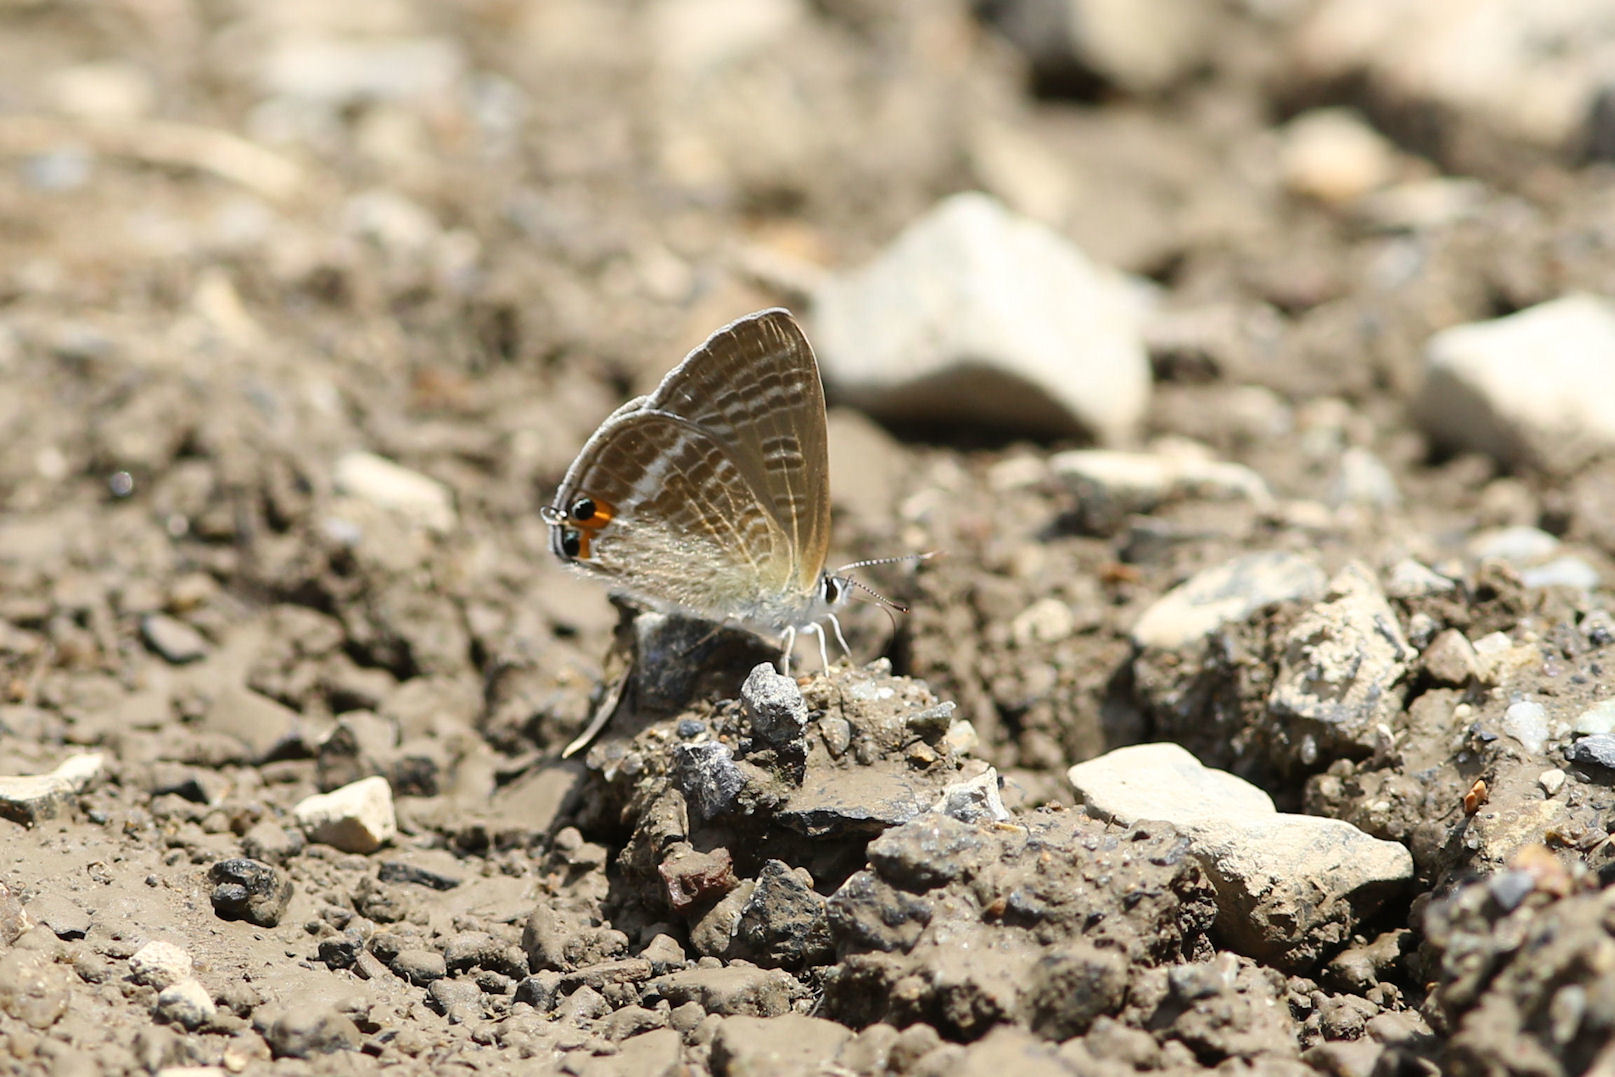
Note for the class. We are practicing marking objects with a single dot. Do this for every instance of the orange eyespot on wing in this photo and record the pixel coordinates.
(591, 513)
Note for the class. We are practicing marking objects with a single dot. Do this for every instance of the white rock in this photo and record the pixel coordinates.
(160, 964)
(1521, 68)
(104, 90)
(1333, 155)
(1571, 572)
(357, 818)
(394, 223)
(1535, 388)
(1362, 479)
(1410, 579)
(1164, 781)
(1342, 662)
(1228, 592)
(975, 315)
(30, 798)
(1421, 205)
(1551, 780)
(693, 36)
(1048, 620)
(335, 72)
(387, 485)
(1288, 886)
(1139, 482)
(1527, 722)
(1599, 718)
(186, 1003)
(1518, 546)
(974, 801)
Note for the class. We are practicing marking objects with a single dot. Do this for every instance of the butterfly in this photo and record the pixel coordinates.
(711, 496)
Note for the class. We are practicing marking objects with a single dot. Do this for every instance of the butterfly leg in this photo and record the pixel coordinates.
(785, 655)
(824, 652)
(836, 624)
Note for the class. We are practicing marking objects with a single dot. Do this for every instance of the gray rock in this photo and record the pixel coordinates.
(1518, 546)
(706, 774)
(664, 953)
(774, 706)
(1409, 579)
(458, 1000)
(1290, 888)
(953, 920)
(173, 639)
(356, 818)
(307, 1029)
(1341, 665)
(34, 990)
(249, 890)
(28, 799)
(186, 1003)
(733, 990)
(782, 922)
(582, 1007)
(1597, 750)
(1071, 985)
(66, 918)
(786, 1045)
(1228, 592)
(974, 801)
(974, 315)
(1451, 659)
(540, 990)
(264, 726)
(419, 966)
(1533, 389)
(272, 843)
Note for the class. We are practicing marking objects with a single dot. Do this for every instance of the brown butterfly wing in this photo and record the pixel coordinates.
(754, 388)
(677, 521)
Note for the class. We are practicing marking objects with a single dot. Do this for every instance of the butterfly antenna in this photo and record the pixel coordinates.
(887, 561)
(881, 600)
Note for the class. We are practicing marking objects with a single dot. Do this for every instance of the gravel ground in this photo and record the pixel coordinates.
(1246, 365)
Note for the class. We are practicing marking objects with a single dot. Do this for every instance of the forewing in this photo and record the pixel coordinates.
(754, 388)
(682, 524)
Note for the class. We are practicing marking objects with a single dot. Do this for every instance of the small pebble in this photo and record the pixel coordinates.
(357, 818)
(160, 964)
(186, 1003)
(173, 639)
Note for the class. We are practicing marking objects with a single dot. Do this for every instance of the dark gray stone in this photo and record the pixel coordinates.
(783, 922)
(707, 776)
(311, 1028)
(1597, 750)
(249, 890)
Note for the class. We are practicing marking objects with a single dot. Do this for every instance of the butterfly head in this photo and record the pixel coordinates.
(575, 524)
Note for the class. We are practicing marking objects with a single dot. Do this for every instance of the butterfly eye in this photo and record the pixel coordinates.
(583, 509)
(832, 589)
(571, 542)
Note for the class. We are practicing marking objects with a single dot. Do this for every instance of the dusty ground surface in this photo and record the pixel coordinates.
(241, 243)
